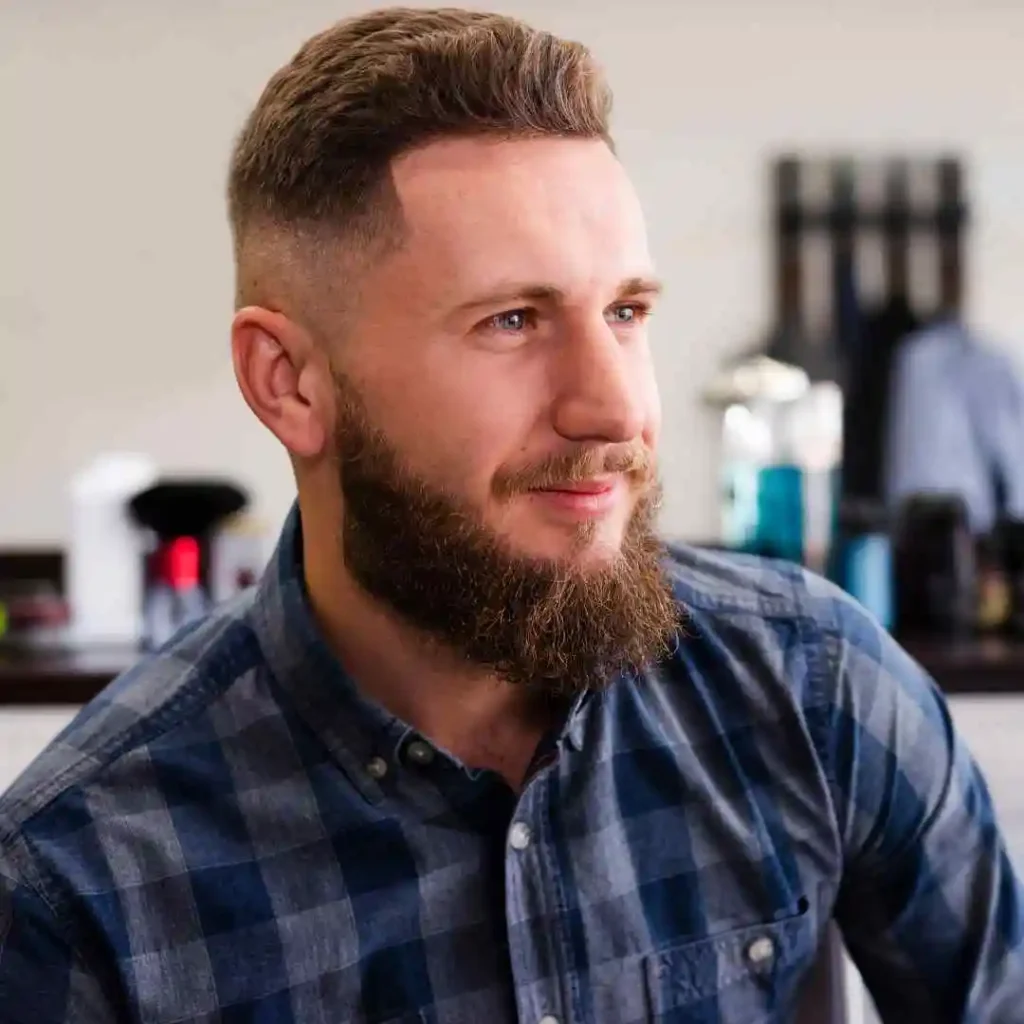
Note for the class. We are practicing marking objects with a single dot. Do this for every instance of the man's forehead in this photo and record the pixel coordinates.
(449, 159)
(552, 212)
(479, 182)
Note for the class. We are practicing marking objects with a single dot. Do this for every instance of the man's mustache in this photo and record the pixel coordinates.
(633, 459)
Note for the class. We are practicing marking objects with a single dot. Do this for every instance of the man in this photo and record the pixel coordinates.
(478, 748)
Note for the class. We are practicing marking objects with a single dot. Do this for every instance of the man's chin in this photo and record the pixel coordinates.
(592, 548)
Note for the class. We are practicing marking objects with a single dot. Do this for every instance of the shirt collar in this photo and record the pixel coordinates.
(356, 731)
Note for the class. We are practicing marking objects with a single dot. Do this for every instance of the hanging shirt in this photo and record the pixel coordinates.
(956, 424)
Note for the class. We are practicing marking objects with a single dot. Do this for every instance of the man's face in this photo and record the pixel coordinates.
(507, 337)
(497, 412)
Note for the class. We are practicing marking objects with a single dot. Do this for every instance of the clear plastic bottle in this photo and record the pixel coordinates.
(177, 596)
(780, 467)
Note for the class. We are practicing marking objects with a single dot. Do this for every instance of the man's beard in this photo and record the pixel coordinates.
(551, 625)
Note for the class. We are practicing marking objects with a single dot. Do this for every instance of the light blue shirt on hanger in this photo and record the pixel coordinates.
(956, 423)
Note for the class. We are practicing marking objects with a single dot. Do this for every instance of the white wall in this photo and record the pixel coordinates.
(117, 118)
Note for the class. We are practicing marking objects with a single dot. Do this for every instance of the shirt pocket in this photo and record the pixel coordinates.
(410, 1017)
(747, 976)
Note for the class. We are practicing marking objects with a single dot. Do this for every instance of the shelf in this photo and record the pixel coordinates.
(74, 677)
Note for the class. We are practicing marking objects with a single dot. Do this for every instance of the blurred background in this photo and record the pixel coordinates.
(115, 276)
(836, 200)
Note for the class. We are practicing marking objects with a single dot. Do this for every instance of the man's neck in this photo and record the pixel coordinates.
(481, 720)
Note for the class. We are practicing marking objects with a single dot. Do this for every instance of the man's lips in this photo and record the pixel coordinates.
(582, 497)
(595, 486)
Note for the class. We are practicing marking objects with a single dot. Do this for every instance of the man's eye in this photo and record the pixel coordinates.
(511, 320)
(629, 313)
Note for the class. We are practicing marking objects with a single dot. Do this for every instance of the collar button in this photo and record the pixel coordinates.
(420, 753)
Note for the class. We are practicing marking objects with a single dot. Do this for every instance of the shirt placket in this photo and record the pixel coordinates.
(537, 947)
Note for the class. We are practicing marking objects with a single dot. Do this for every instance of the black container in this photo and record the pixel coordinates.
(1010, 534)
(935, 568)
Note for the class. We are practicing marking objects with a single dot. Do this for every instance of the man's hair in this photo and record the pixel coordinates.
(311, 167)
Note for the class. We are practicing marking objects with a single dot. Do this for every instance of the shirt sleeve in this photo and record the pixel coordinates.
(930, 907)
(42, 981)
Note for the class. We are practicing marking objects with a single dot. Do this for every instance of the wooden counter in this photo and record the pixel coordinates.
(990, 665)
(73, 677)
(60, 677)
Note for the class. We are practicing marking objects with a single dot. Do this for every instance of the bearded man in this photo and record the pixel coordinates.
(479, 748)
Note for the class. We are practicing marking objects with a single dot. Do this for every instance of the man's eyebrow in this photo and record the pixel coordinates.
(641, 286)
(511, 293)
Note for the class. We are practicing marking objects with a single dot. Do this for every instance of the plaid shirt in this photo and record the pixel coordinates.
(231, 834)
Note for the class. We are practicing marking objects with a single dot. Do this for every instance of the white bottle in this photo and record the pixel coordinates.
(104, 565)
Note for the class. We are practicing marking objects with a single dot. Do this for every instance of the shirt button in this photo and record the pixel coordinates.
(420, 753)
(761, 951)
(519, 838)
(377, 768)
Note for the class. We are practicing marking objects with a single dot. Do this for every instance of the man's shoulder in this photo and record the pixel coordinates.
(771, 634)
(801, 628)
(711, 580)
(163, 691)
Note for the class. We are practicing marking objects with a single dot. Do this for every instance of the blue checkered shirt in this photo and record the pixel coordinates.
(230, 834)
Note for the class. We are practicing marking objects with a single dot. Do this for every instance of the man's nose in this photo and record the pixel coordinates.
(600, 392)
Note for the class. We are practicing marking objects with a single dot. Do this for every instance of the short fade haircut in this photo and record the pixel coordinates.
(311, 167)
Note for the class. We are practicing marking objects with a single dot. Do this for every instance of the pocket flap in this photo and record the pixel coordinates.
(752, 968)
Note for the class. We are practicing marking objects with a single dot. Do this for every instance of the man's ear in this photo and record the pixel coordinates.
(285, 379)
